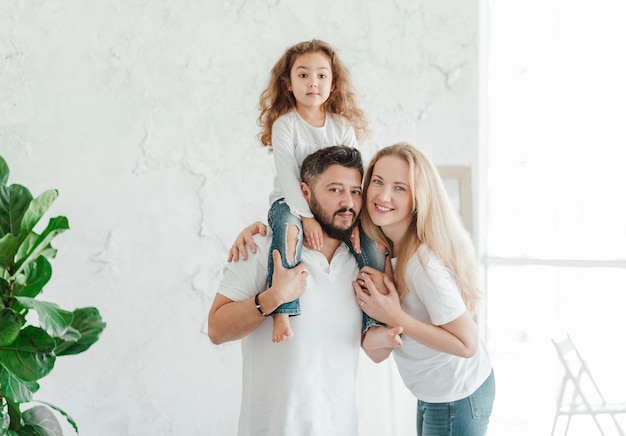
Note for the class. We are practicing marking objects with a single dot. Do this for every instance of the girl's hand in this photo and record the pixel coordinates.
(313, 233)
(244, 239)
(380, 306)
(355, 238)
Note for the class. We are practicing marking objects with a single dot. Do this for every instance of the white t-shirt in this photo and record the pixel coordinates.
(305, 386)
(293, 139)
(434, 297)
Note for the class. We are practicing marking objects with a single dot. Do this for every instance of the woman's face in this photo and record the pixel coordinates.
(389, 196)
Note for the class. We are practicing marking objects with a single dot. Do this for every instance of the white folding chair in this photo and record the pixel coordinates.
(579, 393)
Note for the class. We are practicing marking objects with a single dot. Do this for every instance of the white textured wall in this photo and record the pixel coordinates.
(143, 115)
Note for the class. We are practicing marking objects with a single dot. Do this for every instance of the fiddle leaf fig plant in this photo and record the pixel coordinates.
(29, 345)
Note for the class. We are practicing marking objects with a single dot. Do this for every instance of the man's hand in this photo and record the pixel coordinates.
(287, 284)
(231, 320)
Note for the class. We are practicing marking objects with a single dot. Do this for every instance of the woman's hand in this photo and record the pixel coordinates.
(378, 276)
(384, 307)
(244, 239)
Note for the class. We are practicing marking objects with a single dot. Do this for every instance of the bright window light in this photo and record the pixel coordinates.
(556, 201)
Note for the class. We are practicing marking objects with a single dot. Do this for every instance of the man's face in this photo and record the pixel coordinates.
(335, 200)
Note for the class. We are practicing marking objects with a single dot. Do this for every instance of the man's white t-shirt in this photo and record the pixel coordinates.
(305, 386)
(293, 139)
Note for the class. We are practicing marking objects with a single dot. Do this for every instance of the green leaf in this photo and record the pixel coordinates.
(31, 355)
(5, 419)
(34, 248)
(27, 244)
(62, 412)
(88, 322)
(16, 389)
(54, 320)
(10, 325)
(9, 245)
(36, 209)
(15, 415)
(40, 421)
(4, 171)
(14, 201)
(4, 291)
(33, 278)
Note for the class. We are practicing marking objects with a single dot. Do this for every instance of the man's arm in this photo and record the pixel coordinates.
(231, 320)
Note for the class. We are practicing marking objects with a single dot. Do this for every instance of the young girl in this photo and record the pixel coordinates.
(439, 355)
(309, 104)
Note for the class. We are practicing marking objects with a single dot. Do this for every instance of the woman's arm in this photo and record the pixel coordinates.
(458, 337)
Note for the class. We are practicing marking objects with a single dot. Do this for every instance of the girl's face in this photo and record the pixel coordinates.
(389, 196)
(311, 80)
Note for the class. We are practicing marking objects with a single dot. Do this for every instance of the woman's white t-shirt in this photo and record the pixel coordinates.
(431, 375)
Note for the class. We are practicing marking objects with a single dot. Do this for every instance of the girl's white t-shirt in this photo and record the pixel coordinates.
(293, 139)
(434, 297)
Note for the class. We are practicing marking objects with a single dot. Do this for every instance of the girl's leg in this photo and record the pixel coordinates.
(282, 328)
(378, 337)
(370, 255)
(287, 238)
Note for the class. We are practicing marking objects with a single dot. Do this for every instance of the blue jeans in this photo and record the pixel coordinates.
(370, 255)
(467, 417)
(279, 219)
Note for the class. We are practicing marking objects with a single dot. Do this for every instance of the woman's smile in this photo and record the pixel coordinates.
(389, 198)
(382, 209)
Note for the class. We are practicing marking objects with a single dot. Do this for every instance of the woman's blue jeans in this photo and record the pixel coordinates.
(468, 416)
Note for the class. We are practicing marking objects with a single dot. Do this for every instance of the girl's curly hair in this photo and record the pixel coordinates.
(276, 100)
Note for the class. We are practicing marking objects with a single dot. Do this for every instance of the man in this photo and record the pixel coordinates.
(304, 386)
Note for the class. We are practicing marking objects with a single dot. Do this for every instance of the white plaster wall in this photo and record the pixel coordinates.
(143, 115)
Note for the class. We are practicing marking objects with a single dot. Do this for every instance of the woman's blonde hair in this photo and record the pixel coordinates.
(276, 100)
(435, 223)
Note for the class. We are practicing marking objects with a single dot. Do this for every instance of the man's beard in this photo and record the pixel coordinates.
(326, 222)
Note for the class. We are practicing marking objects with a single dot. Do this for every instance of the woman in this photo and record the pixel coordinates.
(429, 310)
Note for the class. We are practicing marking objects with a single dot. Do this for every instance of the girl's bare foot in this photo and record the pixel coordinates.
(382, 337)
(282, 330)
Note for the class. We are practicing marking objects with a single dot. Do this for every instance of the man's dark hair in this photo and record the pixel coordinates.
(316, 163)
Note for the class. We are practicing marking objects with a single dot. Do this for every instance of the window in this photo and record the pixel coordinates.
(555, 230)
